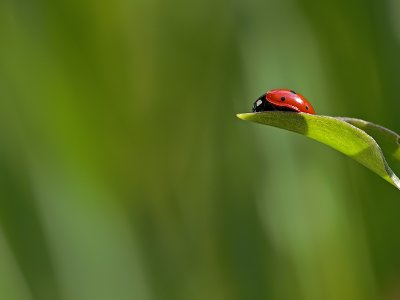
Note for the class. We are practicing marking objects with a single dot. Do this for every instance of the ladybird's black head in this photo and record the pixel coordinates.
(259, 104)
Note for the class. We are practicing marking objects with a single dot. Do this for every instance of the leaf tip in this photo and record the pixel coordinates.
(243, 116)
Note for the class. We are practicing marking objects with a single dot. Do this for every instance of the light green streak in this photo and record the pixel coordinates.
(337, 133)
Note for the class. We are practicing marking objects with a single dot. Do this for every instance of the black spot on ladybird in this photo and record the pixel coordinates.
(293, 92)
(283, 98)
(306, 107)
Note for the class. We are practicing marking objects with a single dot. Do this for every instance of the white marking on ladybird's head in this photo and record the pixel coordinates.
(259, 102)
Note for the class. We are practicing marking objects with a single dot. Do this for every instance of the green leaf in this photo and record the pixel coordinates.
(347, 135)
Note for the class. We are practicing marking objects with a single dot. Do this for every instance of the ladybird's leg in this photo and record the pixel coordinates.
(270, 107)
(282, 108)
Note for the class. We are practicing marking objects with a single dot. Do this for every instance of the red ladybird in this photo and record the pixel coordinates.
(283, 99)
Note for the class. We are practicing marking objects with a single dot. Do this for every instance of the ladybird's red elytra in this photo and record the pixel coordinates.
(284, 100)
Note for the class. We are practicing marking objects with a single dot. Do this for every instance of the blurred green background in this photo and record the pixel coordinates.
(125, 174)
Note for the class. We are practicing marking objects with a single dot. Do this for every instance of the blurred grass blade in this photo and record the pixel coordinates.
(388, 140)
(342, 134)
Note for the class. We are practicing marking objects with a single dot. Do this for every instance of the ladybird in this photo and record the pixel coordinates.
(284, 100)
